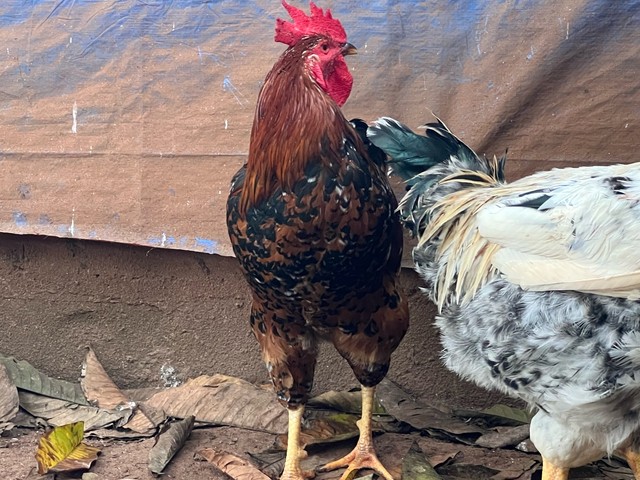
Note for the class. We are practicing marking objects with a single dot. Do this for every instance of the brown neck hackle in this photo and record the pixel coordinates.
(295, 123)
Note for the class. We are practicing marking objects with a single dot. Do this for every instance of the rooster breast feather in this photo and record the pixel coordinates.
(333, 237)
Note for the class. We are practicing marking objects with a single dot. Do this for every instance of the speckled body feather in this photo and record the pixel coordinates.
(489, 253)
(312, 220)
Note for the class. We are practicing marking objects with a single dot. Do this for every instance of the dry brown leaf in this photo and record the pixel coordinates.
(223, 400)
(348, 402)
(415, 465)
(101, 391)
(614, 468)
(218, 378)
(234, 466)
(112, 433)
(504, 437)
(61, 412)
(329, 429)
(474, 462)
(168, 443)
(9, 401)
(424, 417)
(270, 462)
(26, 377)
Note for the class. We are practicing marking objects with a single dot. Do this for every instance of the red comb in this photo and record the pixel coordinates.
(304, 25)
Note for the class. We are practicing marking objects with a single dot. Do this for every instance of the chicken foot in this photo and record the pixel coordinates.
(364, 454)
(292, 469)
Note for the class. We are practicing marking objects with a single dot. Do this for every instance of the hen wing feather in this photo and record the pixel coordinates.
(580, 235)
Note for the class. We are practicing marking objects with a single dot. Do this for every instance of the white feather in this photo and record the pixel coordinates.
(585, 237)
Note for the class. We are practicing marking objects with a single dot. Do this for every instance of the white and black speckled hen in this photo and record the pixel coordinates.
(537, 284)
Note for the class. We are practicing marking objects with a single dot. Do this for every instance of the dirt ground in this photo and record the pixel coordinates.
(122, 460)
(158, 317)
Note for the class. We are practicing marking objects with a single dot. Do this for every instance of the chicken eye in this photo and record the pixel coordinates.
(325, 47)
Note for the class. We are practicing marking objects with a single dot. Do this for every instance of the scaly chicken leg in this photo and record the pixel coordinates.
(553, 472)
(364, 454)
(292, 470)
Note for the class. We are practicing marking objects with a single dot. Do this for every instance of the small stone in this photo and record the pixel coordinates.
(527, 446)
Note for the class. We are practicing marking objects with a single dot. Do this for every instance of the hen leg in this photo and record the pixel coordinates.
(364, 454)
(553, 472)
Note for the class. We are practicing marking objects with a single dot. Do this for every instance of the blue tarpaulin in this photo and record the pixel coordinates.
(125, 120)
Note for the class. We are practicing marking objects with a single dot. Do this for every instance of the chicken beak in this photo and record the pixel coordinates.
(349, 49)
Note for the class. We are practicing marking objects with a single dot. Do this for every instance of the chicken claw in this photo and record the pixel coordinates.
(364, 454)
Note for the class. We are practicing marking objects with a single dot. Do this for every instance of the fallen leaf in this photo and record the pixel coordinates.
(60, 412)
(9, 401)
(498, 415)
(424, 417)
(333, 428)
(62, 450)
(270, 462)
(168, 443)
(467, 470)
(348, 402)
(223, 400)
(101, 391)
(25, 420)
(113, 433)
(504, 437)
(234, 466)
(415, 465)
(615, 467)
(5, 427)
(474, 462)
(27, 377)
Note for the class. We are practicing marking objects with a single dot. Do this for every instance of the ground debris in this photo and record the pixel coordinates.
(241, 432)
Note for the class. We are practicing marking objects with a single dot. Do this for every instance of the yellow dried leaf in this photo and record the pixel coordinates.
(62, 450)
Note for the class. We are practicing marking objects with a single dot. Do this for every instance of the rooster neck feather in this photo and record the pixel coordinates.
(295, 123)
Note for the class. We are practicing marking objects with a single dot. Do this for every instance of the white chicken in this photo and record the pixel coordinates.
(537, 284)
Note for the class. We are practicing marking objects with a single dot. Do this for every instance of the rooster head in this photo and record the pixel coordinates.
(324, 60)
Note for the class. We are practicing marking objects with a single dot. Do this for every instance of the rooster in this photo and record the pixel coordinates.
(312, 220)
(537, 285)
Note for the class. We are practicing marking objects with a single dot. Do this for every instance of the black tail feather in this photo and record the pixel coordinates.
(411, 154)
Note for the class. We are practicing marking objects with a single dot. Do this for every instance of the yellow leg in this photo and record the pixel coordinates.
(633, 459)
(364, 455)
(292, 470)
(553, 472)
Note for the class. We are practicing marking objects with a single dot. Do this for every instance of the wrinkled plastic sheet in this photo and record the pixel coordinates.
(125, 120)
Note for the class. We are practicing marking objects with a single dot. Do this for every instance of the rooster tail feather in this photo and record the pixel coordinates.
(409, 154)
(412, 154)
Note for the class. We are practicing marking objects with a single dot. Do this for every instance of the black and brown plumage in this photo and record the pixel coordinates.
(312, 220)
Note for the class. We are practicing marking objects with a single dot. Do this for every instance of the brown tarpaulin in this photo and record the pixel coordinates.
(125, 120)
